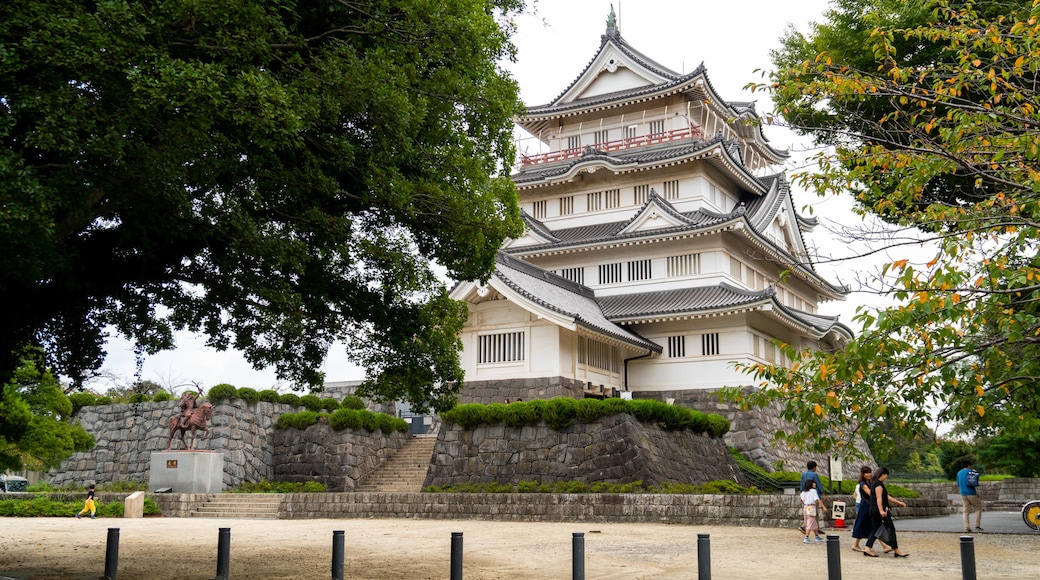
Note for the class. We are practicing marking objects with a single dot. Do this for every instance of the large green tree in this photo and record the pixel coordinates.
(931, 110)
(278, 175)
(35, 431)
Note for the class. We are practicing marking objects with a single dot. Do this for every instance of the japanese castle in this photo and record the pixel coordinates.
(661, 246)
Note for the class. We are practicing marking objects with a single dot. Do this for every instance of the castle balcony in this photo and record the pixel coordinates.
(692, 132)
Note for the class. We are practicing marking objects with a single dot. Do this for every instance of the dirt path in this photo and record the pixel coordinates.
(186, 549)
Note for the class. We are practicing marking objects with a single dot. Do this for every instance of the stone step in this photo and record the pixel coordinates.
(235, 515)
(242, 505)
(405, 471)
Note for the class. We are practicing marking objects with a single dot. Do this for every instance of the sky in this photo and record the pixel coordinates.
(554, 44)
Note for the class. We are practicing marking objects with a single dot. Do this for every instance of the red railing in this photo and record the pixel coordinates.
(618, 145)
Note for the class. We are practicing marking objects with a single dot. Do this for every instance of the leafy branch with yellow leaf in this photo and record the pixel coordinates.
(930, 114)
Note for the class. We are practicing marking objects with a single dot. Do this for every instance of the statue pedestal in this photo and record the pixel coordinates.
(187, 471)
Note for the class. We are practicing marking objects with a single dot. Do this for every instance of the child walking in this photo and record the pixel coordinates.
(89, 504)
(810, 501)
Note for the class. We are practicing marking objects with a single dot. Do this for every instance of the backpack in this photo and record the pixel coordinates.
(973, 478)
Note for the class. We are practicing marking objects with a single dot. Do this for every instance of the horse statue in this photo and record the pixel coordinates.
(195, 422)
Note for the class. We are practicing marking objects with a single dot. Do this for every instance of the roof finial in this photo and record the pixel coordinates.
(612, 21)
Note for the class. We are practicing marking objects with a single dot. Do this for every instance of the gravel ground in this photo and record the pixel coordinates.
(186, 549)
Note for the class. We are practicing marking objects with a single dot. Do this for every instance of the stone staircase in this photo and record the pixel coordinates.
(405, 471)
(262, 506)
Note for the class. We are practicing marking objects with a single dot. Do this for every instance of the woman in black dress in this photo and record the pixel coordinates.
(881, 515)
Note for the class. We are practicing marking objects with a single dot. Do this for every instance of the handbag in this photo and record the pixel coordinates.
(886, 534)
(810, 509)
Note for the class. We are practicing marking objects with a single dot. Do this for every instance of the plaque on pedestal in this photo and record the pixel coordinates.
(187, 471)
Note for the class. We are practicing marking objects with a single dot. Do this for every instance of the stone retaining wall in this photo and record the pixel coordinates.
(773, 510)
(613, 449)
(244, 432)
(497, 391)
(1018, 489)
(752, 432)
(337, 459)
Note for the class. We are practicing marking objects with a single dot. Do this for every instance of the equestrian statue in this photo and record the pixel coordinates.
(193, 417)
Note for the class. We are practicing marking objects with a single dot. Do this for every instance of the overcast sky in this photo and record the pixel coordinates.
(555, 44)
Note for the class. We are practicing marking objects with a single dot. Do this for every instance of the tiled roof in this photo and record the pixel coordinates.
(564, 297)
(678, 302)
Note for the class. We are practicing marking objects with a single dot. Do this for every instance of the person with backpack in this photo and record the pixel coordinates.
(968, 482)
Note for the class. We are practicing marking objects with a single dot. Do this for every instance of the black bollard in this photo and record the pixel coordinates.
(223, 554)
(704, 556)
(833, 557)
(337, 555)
(456, 556)
(112, 554)
(967, 558)
(578, 556)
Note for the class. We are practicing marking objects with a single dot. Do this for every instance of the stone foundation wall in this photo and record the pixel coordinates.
(338, 459)
(615, 449)
(1016, 489)
(243, 432)
(751, 432)
(516, 389)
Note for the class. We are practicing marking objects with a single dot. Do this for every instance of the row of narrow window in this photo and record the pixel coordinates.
(606, 199)
(502, 347)
(598, 354)
(709, 345)
(684, 265)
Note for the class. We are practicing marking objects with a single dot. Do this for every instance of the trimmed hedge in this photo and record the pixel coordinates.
(221, 392)
(560, 412)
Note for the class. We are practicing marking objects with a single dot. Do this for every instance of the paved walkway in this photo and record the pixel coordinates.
(992, 523)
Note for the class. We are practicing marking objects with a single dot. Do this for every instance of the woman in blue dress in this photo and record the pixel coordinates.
(862, 528)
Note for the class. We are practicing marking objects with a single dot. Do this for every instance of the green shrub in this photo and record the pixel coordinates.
(103, 400)
(265, 486)
(494, 413)
(589, 410)
(248, 395)
(301, 420)
(717, 426)
(268, 396)
(527, 487)
(559, 413)
(468, 416)
(329, 404)
(221, 392)
(137, 398)
(353, 402)
(643, 409)
(341, 419)
(162, 396)
(151, 508)
(289, 399)
(82, 399)
(312, 402)
(520, 414)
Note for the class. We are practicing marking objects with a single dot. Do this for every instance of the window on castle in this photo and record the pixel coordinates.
(612, 197)
(710, 344)
(686, 265)
(574, 141)
(598, 354)
(639, 270)
(676, 346)
(574, 274)
(630, 131)
(502, 347)
(601, 136)
(567, 205)
(538, 210)
(594, 201)
(610, 273)
(671, 189)
(642, 194)
(656, 127)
